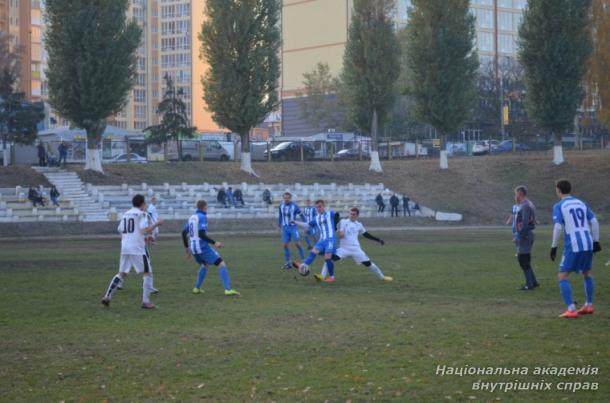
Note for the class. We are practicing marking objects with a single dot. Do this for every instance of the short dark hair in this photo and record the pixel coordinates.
(355, 210)
(564, 186)
(138, 200)
(287, 194)
(201, 204)
(521, 189)
(319, 201)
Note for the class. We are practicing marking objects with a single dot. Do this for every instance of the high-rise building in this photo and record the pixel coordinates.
(170, 46)
(22, 20)
(316, 31)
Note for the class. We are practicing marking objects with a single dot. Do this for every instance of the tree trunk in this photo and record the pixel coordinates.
(6, 154)
(246, 157)
(94, 152)
(557, 150)
(444, 163)
(375, 162)
(179, 148)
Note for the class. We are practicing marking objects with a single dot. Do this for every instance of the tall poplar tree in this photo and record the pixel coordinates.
(442, 64)
(371, 69)
(241, 41)
(554, 49)
(91, 64)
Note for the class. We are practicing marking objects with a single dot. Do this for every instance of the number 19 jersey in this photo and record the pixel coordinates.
(131, 227)
(574, 215)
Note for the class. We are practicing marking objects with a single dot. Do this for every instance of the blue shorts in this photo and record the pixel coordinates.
(207, 256)
(326, 246)
(576, 262)
(290, 233)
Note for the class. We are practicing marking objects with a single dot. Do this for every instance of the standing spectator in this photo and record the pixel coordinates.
(221, 197)
(267, 196)
(42, 155)
(35, 197)
(62, 149)
(380, 203)
(230, 198)
(525, 223)
(239, 197)
(54, 194)
(394, 202)
(405, 206)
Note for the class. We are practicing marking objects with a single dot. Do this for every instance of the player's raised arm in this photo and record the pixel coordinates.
(368, 235)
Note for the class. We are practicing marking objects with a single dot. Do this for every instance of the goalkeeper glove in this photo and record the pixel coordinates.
(596, 247)
(553, 253)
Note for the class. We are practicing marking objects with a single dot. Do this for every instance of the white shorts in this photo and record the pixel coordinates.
(354, 252)
(141, 264)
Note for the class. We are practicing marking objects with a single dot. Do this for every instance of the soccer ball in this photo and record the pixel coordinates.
(303, 269)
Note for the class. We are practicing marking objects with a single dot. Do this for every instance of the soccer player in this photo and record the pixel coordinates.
(288, 211)
(349, 246)
(524, 225)
(134, 227)
(325, 223)
(153, 217)
(197, 244)
(310, 234)
(581, 240)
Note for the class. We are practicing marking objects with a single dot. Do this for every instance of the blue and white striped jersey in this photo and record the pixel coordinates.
(310, 213)
(197, 222)
(288, 212)
(325, 223)
(575, 216)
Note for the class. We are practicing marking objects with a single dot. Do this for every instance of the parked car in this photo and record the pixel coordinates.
(506, 146)
(351, 154)
(122, 158)
(212, 150)
(291, 151)
(483, 147)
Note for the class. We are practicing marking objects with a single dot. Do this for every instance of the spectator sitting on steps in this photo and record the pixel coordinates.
(230, 198)
(267, 196)
(238, 196)
(222, 197)
(54, 194)
(35, 197)
(380, 203)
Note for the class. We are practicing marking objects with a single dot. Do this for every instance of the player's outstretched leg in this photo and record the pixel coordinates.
(377, 271)
(226, 281)
(146, 289)
(566, 293)
(114, 283)
(200, 277)
(330, 266)
(587, 308)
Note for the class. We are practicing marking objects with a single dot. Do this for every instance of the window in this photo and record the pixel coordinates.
(520, 4)
(506, 43)
(140, 111)
(485, 40)
(505, 3)
(485, 18)
(506, 21)
(139, 95)
(484, 2)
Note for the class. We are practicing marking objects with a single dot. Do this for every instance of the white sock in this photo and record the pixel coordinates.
(572, 307)
(114, 283)
(324, 271)
(146, 285)
(376, 270)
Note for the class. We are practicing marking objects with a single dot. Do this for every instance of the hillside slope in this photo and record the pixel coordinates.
(479, 187)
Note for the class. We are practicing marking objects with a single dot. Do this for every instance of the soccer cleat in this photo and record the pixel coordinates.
(105, 301)
(232, 292)
(525, 288)
(569, 314)
(154, 291)
(198, 291)
(148, 305)
(288, 266)
(318, 277)
(387, 279)
(296, 264)
(585, 310)
(330, 279)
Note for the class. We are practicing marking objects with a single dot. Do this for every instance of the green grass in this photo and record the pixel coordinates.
(453, 302)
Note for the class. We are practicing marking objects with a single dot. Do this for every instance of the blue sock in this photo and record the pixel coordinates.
(330, 266)
(566, 291)
(310, 258)
(301, 252)
(589, 289)
(224, 276)
(308, 241)
(201, 276)
(287, 255)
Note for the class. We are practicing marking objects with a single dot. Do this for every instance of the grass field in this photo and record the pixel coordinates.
(453, 302)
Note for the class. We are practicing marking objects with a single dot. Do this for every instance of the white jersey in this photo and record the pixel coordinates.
(351, 230)
(153, 216)
(131, 227)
